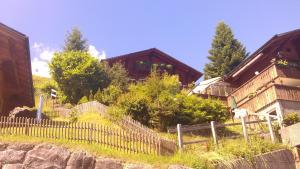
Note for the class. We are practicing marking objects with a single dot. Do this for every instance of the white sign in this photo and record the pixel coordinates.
(53, 93)
(238, 113)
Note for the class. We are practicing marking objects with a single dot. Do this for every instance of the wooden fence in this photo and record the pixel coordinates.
(92, 106)
(130, 141)
(169, 146)
(213, 126)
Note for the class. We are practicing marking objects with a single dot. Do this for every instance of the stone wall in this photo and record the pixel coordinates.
(42, 156)
(291, 135)
(281, 159)
(46, 156)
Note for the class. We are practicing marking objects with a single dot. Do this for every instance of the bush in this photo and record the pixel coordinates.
(73, 116)
(46, 88)
(109, 95)
(290, 119)
(137, 106)
(84, 99)
(194, 110)
(159, 103)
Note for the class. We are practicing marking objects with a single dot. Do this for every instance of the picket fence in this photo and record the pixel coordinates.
(169, 146)
(130, 141)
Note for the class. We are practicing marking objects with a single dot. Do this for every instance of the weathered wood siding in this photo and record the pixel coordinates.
(16, 87)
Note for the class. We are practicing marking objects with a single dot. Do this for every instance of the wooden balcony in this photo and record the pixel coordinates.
(254, 85)
(274, 83)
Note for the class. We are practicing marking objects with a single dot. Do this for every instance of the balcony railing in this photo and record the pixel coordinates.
(255, 84)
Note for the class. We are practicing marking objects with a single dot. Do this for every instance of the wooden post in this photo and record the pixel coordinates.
(179, 135)
(27, 127)
(213, 131)
(270, 128)
(245, 129)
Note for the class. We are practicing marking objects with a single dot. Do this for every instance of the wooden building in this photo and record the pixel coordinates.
(267, 82)
(140, 64)
(16, 87)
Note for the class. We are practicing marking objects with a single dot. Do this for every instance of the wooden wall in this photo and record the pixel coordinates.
(15, 70)
(186, 75)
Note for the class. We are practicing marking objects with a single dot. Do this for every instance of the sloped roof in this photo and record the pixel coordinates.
(13, 31)
(278, 38)
(159, 53)
(205, 84)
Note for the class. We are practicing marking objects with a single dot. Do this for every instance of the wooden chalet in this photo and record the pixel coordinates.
(16, 87)
(269, 80)
(140, 64)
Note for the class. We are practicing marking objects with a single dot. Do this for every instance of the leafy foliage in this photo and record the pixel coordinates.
(75, 41)
(84, 99)
(225, 54)
(159, 102)
(195, 110)
(290, 119)
(117, 75)
(76, 73)
(109, 95)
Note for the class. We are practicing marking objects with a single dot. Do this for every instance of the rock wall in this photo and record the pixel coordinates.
(281, 159)
(46, 156)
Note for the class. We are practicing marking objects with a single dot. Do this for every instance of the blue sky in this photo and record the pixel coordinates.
(183, 29)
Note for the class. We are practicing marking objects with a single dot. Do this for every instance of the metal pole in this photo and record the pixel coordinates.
(39, 111)
(179, 134)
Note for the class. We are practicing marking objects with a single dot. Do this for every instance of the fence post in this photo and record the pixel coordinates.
(179, 135)
(27, 127)
(213, 131)
(245, 129)
(270, 128)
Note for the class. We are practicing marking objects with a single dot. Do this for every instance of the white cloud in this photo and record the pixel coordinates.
(46, 55)
(40, 68)
(43, 54)
(94, 52)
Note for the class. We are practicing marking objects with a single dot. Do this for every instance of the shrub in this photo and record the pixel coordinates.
(290, 119)
(159, 103)
(109, 95)
(46, 88)
(84, 99)
(137, 106)
(193, 110)
(73, 116)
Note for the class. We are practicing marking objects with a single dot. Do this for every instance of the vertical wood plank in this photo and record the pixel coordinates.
(213, 131)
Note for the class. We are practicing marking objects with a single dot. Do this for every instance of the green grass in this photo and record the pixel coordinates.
(193, 156)
(39, 81)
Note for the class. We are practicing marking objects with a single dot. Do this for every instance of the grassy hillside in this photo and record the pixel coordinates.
(39, 81)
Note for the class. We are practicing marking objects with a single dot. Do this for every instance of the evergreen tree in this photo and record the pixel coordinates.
(75, 41)
(225, 54)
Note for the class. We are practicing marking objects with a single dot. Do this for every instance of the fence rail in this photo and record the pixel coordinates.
(180, 129)
(130, 141)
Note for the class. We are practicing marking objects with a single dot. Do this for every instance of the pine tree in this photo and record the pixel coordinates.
(225, 54)
(75, 41)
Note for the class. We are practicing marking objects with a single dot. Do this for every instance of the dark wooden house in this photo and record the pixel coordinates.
(140, 64)
(16, 87)
(268, 81)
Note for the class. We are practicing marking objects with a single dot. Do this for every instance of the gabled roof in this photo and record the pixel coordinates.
(278, 38)
(159, 53)
(13, 31)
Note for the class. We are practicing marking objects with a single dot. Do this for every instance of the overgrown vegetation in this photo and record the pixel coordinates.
(290, 119)
(159, 102)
